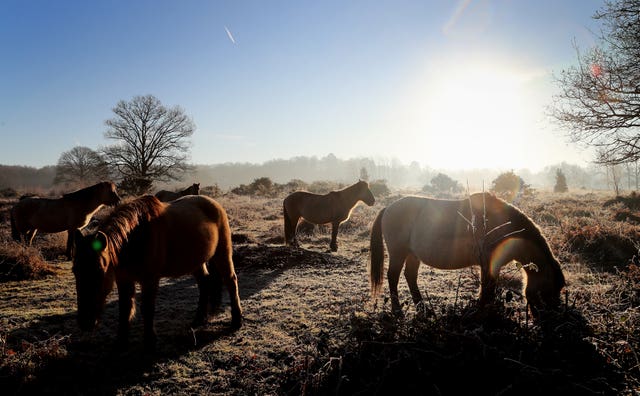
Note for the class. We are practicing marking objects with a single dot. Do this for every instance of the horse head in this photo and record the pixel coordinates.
(110, 194)
(544, 285)
(94, 276)
(365, 193)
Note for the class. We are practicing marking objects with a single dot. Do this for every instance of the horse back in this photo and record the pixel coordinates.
(189, 233)
(44, 214)
(315, 208)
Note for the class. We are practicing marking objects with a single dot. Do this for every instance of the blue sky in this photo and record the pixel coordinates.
(450, 84)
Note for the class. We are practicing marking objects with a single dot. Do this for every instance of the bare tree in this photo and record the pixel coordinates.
(81, 166)
(599, 102)
(152, 141)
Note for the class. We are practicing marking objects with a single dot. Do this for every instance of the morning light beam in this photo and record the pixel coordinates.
(230, 35)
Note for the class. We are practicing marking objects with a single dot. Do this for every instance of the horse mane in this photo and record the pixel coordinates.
(531, 230)
(126, 218)
(85, 193)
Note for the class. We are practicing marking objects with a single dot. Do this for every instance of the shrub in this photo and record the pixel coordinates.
(20, 262)
(510, 186)
(379, 188)
(211, 191)
(561, 182)
(442, 184)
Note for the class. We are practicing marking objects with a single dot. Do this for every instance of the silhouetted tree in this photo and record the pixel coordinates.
(152, 140)
(508, 185)
(561, 182)
(81, 166)
(379, 188)
(599, 102)
(442, 183)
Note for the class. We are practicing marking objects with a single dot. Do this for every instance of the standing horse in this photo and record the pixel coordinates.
(71, 212)
(334, 207)
(167, 196)
(448, 234)
(145, 240)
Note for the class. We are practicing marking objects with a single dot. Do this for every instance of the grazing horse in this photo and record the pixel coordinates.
(145, 240)
(71, 212)
(452, 234)
(334, 207)
(167, 196)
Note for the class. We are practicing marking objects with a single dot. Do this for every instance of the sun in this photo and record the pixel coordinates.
(471, 116)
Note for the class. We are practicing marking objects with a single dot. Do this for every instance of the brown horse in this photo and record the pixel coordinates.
(71, 212)
(334, 207)
(145, 240)
(167, 196)
(446, 234)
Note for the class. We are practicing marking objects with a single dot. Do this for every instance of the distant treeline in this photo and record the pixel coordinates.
(26, 178)
(330, 168)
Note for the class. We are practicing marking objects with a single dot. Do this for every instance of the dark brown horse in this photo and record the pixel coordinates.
(167, 196)
(446, 234)
(71, 212)
(334, 207)
(145, 240)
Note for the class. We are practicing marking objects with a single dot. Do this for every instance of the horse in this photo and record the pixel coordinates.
(167, 196)
(144, 240)
(334, 207)
(482, 230)
(73, 211)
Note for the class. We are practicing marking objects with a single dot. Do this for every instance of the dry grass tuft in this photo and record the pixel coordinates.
(20, 262)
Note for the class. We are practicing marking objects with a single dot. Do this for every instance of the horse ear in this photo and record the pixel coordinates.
(99, 243)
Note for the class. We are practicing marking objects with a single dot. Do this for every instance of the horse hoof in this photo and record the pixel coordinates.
(236, 323)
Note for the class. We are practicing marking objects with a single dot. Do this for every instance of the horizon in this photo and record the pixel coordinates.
(449, 85)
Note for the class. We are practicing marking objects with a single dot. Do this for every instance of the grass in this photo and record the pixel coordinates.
(310, 327)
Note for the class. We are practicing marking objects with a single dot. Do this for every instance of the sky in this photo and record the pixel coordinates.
(449, 84)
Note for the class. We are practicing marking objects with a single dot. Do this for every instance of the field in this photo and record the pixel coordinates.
(311, 328)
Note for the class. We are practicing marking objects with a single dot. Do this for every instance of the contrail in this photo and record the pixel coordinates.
(230, 35)
(462, 6)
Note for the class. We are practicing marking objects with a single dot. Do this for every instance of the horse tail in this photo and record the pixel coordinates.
(14, 229)
(376, 246)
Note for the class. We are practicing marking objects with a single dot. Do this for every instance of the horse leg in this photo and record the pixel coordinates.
(396, 262)
(488, 285)
(224, 266)
(30, 235)
(411, 275)
(126, 309)
(149, 293)
(292, 239)
(70, 244)
(202, 277)
(334, 236)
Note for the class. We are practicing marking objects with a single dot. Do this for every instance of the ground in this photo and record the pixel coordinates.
(311, 328)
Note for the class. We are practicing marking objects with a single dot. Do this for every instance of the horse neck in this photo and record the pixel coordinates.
(350, 194)
(127, 219)
(546, 262)
(86, 198)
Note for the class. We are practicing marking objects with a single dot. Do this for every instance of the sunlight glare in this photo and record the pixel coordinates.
(472, 117)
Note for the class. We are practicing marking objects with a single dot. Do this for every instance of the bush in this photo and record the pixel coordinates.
(20, 262)
(561, 182)
(442, 184)
(379, 188)
(510, 186)
(211, 191)
(135, 186)
(8, 192)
